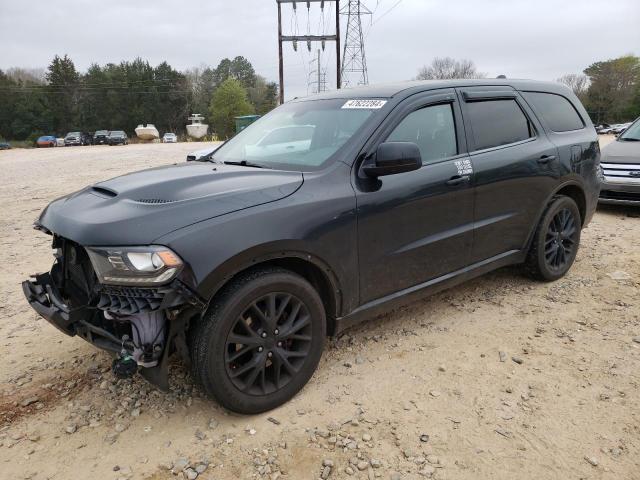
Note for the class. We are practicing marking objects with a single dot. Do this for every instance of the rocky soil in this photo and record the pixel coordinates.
(499, 378)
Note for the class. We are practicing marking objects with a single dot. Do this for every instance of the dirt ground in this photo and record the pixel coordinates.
(500, 378)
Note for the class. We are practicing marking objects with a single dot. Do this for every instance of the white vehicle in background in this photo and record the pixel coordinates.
(60, 142)
(620, 127)
(169, 138)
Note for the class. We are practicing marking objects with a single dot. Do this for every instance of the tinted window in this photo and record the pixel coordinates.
(557, 111)
(432, 129)
(498, 122)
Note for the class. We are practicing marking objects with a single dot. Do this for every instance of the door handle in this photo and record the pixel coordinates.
(457, 180)
(546, 158)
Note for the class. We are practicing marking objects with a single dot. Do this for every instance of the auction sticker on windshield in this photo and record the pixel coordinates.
(365, 104)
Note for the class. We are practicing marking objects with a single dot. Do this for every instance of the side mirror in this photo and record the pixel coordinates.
(392, 158)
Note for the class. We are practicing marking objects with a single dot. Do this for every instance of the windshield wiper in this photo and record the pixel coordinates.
(245, 163)
(629, 139)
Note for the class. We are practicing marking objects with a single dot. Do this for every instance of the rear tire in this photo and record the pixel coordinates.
(556, 241)
(260, 341)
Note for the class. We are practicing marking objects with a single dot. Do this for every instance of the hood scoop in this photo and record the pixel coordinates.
(104, 192)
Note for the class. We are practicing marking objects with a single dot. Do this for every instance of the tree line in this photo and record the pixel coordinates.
(124, 95)
(609, 89)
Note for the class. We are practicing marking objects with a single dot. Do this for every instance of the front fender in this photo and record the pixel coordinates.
(271, 252)
(316, 224)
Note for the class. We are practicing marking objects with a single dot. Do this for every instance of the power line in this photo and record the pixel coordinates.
(309, 38)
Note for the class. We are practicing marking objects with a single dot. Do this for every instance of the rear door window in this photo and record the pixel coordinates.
(498, 122)
(432, 128)
(558, 113)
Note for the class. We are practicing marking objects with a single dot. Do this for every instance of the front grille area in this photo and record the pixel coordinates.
(621, 172)
(75, 275)
(130, 300)
(626, 196)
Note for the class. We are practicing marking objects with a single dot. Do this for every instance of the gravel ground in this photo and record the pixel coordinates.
(499, 378)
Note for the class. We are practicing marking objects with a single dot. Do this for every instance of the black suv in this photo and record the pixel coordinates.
(117, 137)
(101, 137)
(244, 263)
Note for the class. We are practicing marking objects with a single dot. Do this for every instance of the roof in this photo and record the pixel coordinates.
(390, 90)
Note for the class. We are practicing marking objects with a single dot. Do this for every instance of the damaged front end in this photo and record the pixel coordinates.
(131, 301)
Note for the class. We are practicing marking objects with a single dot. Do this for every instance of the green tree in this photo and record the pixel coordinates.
(614, 84)
(63, 80)
(228, 101)
(201, 85)
(263, 95)
(239, 68)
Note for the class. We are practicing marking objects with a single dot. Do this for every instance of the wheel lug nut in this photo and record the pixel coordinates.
(260, 349)
(264, 334)
(270, 354)
(279, 344)
(277, 331)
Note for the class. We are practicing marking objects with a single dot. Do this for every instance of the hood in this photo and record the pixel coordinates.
(137, 208)
(621, 152)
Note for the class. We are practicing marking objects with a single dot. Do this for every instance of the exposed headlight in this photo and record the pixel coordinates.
(142, 266)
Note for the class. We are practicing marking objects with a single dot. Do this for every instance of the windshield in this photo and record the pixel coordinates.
(117, 134)
(75, 134)
(101, 132)
(632, 133)
(298, 135)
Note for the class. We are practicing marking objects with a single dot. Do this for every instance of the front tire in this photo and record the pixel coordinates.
(260, 340)
(556, 241)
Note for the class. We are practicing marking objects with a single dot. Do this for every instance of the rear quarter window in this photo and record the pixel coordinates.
(498, 122)
(558, 112)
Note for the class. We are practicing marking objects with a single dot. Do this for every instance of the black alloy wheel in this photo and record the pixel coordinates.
(260, 340)
(555, 243)
(560, 240)
(268, 344)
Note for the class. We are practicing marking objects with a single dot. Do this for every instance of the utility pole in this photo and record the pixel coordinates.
(308, 38)
(354, 59)
(319, 73)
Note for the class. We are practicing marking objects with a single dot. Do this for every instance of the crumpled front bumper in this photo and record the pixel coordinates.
(44, 298)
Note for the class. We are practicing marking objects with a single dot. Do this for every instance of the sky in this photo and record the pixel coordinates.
(538, 39)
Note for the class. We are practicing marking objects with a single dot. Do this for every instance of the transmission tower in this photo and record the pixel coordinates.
(354, 61)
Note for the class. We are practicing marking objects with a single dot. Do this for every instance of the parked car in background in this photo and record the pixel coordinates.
(244, 267)
(620, 127)
(101, 137)
(60, 142)
(118, 137)
(77, 138)
(169, 138)
(47, 141)
(4, 146)
(602, 128)
(621, 168)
